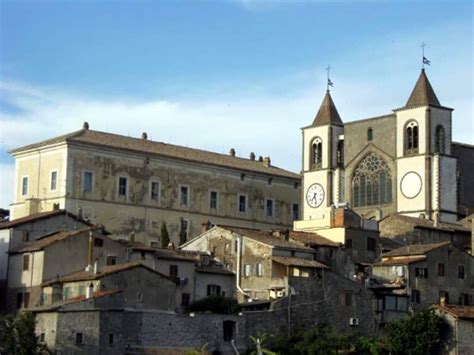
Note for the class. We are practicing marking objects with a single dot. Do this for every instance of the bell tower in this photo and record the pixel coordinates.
(322, 161)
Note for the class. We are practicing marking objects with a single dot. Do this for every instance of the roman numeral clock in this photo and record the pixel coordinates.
(315, 195)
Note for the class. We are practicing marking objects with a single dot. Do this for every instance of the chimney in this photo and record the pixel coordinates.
(91, 249)
(206, 225)
(144, 136)
(96, 267)
(267, 161)
(90, 291)
(85, 125)
(252, 156)
(232, 152)
(260, 159)
(55, 206)
(170, 246)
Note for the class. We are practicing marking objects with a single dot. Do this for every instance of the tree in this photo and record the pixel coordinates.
(17, 335)
(165, 237)
(215, 304)
(260, 342)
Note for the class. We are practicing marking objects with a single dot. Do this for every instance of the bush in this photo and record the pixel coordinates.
(215, 304)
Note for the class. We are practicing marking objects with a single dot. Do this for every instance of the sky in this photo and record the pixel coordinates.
(215, 75)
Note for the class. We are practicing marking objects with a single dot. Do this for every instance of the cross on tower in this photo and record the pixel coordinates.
(424, 60)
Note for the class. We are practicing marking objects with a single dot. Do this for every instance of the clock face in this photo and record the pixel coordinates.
(411, 185)
(315, 195)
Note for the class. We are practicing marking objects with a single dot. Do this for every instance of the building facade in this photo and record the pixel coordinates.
(403, 162)
(134, 184)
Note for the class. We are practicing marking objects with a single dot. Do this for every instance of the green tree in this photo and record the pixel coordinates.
(215, 304)
(260, 342)
(165, 237)
(17, 335)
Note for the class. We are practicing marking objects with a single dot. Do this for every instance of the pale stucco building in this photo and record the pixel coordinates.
(403, 162)
(134, 184)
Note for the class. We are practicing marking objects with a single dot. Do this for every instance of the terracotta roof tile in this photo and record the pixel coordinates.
(312, 239)
(426, 223)
(292, 261)
(102, 139)
(400, 261)
(214, 269)
(415, 249)
(39, 216)
(465, 312)
(41, 243)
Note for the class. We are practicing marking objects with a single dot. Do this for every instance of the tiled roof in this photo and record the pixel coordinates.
(465, 312)
(41, 243)
(426, 223)
(59, 304)
(292, 261)
(104, 271)
(327, 113)
(39, 216)
(167, 254)
(214, 269)
(312, 239)
(109, 140)
(400, 261)
(415, 249)
(423, 93)
(266, 238)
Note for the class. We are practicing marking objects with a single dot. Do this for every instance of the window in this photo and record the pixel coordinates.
(415, 296)
(122, 186)
(242, 177)
(441, 271)
(439, 139)
(185, 299)
(111, 340)
(370, 135)
(26, 262)
(213, 290)
(340, 153)
(98, 242)
(270, 181)
(421, 272)
(26, 299)
(296, 212)
(464, 299)
(348, 299)
(41, 338)
(155, 191)
(269, 208)
(19, 300)
(461, 272)
(411, 138)
(371, 244)
(394, 303)
(65, 293)
(242, 203)
(88, 181)
(154, 244)
(443, 295)
(111, 260)
(349, 243)
(184, 196)
(173, 271)
(236, 246)
(183, 230)
(316, 153)
(213, 200)
(54, 181)
(259, 269)
(247, 270)
(25, 236)
(139, 296)
(24, 186)
(79, 339)
(372, 182)
(229, 329)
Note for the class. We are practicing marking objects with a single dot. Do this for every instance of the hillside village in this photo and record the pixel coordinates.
(112, 240)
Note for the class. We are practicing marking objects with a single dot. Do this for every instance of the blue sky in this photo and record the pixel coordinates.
(219, 74)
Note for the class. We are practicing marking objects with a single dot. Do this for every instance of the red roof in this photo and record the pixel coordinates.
(39, 216)
(465, 312)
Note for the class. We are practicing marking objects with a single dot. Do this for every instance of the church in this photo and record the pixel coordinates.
(403, 162)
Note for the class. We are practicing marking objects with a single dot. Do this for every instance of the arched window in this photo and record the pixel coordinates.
(411, 138)
(316, 153)
(439, 139)
(372, 182)
(340, 153)
(370, 135)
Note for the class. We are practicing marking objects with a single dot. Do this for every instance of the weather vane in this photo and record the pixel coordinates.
(425, 60)
(330, 83)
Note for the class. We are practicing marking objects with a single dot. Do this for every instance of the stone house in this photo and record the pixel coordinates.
(461, 321)
(20, 231)
(197, 275)
(418, 276)
(53, 255)
(413, 230)
(261, 260)
(134, 184)
(141, 286)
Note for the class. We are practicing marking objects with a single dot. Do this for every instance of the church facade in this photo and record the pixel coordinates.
(404, 162)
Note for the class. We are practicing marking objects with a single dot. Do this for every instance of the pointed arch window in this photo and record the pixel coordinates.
(370, 134)
(372, 182)
(340, 153)
(411, 138)
(440, 139)
(316, 153)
